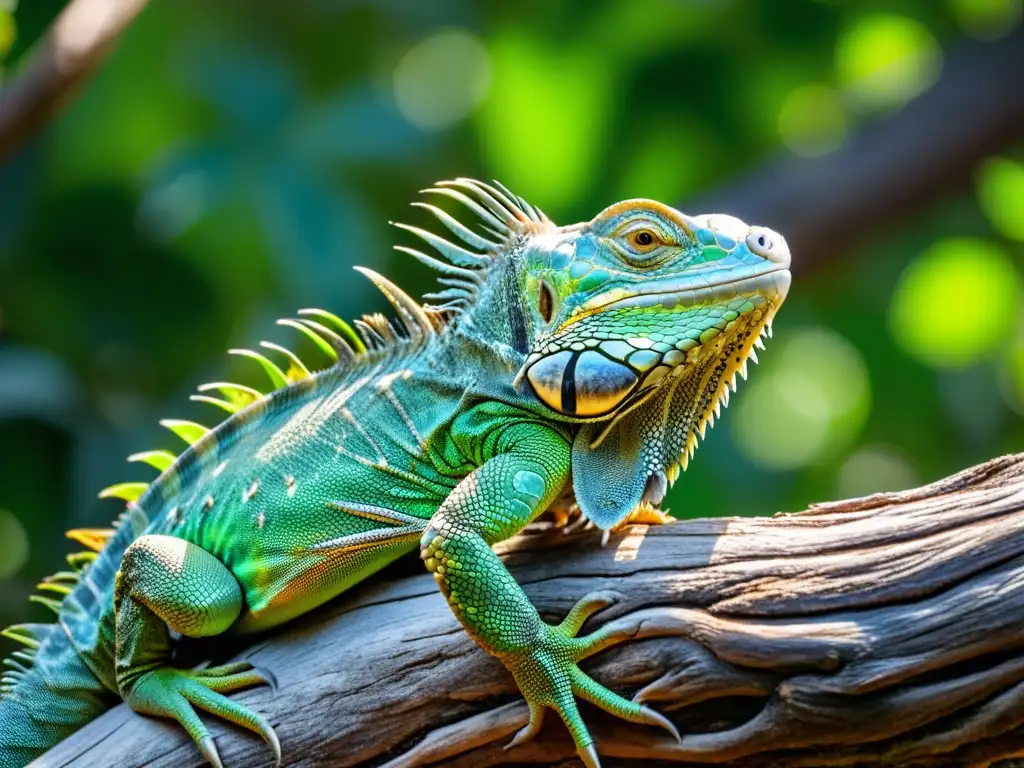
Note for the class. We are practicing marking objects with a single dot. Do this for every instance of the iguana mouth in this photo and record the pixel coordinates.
(585, 376)
(772, 284)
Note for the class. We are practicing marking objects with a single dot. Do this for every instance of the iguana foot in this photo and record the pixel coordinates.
(569, 518)
(174, 693)
(548, 676)
(564, 512)
(644, 513)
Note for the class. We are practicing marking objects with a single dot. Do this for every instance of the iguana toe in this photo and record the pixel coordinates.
(177, 693)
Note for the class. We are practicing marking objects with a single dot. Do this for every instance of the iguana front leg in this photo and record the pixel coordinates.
(492, 503)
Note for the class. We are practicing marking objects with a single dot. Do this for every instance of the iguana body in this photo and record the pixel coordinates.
(581, 359)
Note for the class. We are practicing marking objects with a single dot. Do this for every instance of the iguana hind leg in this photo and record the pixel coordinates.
(492, 503)
(167, 583)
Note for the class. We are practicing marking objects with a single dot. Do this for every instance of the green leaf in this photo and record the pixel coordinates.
(958, 303)
(8, 28)
(1001, 195)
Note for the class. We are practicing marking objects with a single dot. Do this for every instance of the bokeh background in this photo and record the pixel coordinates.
(233, 160)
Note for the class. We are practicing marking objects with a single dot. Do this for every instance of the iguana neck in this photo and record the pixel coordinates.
(499, 317)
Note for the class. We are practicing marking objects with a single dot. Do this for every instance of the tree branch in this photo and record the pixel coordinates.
(880, 631)
(75, 45)
(892, 167)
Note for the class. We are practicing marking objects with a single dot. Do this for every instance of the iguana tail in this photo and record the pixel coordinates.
(48, 700)
(62, 676)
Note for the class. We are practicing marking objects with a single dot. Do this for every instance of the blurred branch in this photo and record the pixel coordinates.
(893, 166)
(883, 631)
(79, 40)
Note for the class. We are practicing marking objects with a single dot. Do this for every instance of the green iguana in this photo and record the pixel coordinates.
(558, 366)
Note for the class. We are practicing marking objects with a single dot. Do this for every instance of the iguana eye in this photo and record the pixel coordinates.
(643, 240)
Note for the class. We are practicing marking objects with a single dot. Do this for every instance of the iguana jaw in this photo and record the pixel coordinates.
(771, 283)
(648, 440)
(607, 360)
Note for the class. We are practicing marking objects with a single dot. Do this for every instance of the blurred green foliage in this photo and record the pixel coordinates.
(233, 160)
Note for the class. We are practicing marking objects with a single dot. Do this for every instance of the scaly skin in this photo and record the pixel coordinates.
(595, 351)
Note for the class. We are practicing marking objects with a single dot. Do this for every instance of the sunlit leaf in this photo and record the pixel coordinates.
(987, 19)
(812, 120)
(884, 60)
(15, 543)
(957, 303)
(1011, 380)
(8, 31)
(442, 79)
(631, 31)
(546, 120)
(1001, 195)
(808, 402)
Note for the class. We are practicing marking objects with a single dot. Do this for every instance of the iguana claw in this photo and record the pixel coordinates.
(531, 729)
(589, 756)
(209, 749)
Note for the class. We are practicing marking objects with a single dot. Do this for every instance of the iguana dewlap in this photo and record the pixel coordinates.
(597, 352)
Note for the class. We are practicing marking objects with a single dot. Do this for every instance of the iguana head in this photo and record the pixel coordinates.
(637, 322)
(645, 316)
(642, 292)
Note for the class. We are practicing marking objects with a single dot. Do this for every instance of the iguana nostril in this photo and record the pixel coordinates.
(768, 245)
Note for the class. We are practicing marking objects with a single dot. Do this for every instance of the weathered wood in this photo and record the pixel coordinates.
(878, 631)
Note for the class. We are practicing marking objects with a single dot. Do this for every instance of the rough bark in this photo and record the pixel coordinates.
(878, 631)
